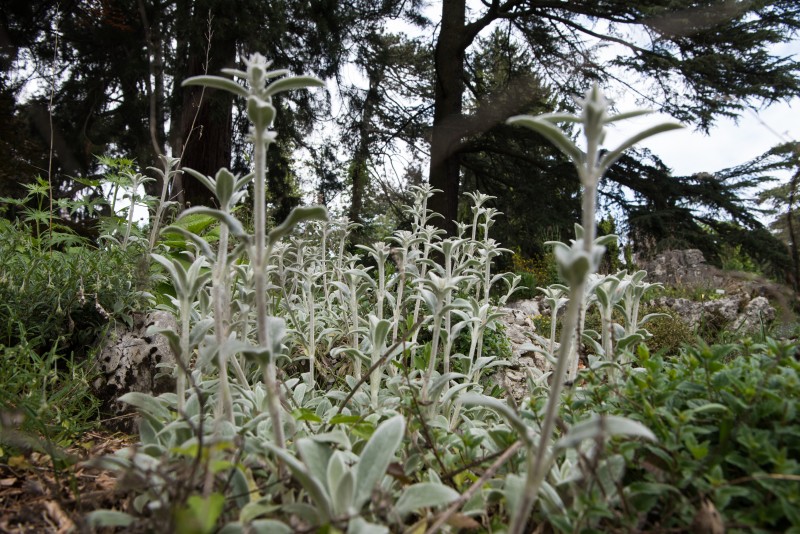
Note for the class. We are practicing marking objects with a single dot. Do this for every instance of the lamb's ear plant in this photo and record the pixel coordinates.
(278, 298)
(188, 283)
(229, 191)
(261, 85)
(166, 173)
(577, 260)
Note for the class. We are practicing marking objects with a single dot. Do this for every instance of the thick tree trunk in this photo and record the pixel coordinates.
(206, 125)
(154, 82)
(449, 91)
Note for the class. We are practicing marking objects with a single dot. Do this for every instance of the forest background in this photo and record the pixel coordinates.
(83, 79)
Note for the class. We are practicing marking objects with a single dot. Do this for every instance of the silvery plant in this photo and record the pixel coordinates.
(577, 262)
(318, 389)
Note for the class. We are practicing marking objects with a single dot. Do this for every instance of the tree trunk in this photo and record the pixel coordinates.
(792, 232)
(449, 91)
(206, 125)
(359, 173)
(154, 82)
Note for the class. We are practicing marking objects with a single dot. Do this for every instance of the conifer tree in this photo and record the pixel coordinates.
(699, 60)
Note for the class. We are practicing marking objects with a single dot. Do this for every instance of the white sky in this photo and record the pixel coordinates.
(731, 142)
(728, 143)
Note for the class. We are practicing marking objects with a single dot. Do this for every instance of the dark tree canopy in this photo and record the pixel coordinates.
(440, 99)
(118, 66)
(694, 60)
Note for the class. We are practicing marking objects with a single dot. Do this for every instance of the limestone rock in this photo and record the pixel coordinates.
(736, 313)
(521, 333)
(757, 313)
(129, 360)
(529, 307)
(688, 268)
(682, 268)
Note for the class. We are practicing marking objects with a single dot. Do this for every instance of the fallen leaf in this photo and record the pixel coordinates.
(7, 482)
(18, 462)
(463, 521)
(105, 481)
(417, 528)
(707, 520)
(65, 524)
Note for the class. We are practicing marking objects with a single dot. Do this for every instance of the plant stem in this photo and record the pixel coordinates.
(183, 365)
(437, 325)
(221, 311)
(567, 354)
(259, 281)
(536, 459)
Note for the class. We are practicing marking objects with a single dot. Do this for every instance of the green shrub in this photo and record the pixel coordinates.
(727, 428)
(535, 272)
(669, 334)
(61, 297)
(48, 394)
(732, 258)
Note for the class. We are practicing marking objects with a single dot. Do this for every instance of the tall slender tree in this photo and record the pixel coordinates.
(392, 111)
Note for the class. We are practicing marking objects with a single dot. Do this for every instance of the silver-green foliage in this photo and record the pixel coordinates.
(277, 329)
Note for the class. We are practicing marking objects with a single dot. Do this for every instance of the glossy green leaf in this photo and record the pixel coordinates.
(200, 514)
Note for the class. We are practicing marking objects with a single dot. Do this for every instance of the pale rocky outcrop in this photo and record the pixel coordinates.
(743, 308)
(530, 307)
(524, 340)
(682, 268)
(688, 268)
(129, 361)
(735, 303)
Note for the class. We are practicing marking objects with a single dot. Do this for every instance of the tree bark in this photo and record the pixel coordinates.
(792, 232)
(449, 91)
(206, 124)
(154, 82)
(359, 173)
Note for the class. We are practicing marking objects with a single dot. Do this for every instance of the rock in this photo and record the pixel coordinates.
(736, 313)
(129, 361)
(707, 519)
(682, 268)
(757, 313)
(521, 333)
(688, 268)
(529, 307)
(738, 310)
(725, 310)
